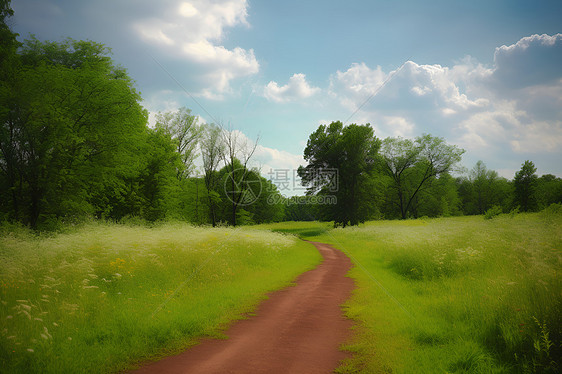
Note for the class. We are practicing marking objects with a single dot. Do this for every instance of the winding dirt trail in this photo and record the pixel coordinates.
(296, 330)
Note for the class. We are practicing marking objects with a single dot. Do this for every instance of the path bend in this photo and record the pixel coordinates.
(296, 330)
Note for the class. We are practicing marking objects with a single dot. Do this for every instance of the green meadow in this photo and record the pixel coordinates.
(102, 297)
(453, 295)
(444, 295)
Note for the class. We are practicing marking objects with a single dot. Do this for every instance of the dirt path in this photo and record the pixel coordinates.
(297, 330)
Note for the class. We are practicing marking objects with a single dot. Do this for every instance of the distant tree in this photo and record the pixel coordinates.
(549, 190)
(185, 130)
(484, 189)
(525, 183)
(300, 208)
(237, 155)
(212, 151)
(441, 198)
(413, 165)
(348, 154)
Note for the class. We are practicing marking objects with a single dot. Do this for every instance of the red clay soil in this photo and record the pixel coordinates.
(296, 330)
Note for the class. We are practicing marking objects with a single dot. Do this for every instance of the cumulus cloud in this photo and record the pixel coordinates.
(193, 31)
(509, 111)
(297, 88)
(533, 60)
(402, 100)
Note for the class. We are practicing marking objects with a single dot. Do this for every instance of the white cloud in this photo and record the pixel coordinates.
(192, 33)
(297, 88)
(398, 126)
(533, 60)
(510, 111)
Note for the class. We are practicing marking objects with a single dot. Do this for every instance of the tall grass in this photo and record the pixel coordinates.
(105, 296)
(455, 294)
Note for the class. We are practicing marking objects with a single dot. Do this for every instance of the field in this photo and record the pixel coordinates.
(101, 297)
(453, 294)
(463, 294)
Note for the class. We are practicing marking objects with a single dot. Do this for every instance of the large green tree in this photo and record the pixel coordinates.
(71, 125)
(413, 165)
(341, 160)
(525, 183)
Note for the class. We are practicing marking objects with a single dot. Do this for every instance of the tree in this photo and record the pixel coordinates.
(340, 162)
(413, 165)
(212, 150)
(549, 190)
(72, 124)
(484, 189)
(185, 130)
(525, 183)
(237, 155)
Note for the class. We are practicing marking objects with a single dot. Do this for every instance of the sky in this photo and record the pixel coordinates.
(484, 75)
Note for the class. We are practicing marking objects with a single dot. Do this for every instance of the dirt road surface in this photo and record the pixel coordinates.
(296, 330)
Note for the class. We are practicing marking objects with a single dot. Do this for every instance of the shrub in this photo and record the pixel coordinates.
(493, 212)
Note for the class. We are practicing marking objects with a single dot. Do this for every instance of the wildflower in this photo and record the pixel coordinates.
(9, 317)
(30, 350)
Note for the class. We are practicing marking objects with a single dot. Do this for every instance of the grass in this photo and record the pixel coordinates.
(104, 297)
(454, 295)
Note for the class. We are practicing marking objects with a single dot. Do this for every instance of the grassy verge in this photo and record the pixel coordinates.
(455, 294)
(105, 296)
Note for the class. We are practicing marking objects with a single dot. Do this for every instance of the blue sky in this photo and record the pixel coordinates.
(486, 75)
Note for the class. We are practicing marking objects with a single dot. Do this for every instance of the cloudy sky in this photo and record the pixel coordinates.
(485, 75)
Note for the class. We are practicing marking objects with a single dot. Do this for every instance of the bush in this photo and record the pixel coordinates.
(493, 212)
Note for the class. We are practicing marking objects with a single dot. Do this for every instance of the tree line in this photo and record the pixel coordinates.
(75, 142)
(397, 178)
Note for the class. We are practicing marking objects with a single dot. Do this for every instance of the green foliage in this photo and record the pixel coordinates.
(350, 152)
(493, 212)
(455, 295)
(412, 166)
(525, 183)
(184, 129)
(72, 126)
(484, 189)
(101, 298)
(549, 190)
